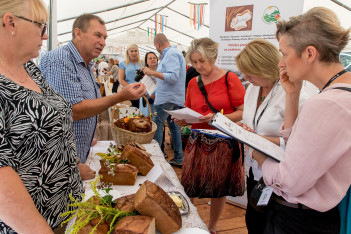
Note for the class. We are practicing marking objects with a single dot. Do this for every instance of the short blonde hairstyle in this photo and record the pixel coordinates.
(318, 27)
(260, 58)
(205, 46)
(129, 47)
(17, 7)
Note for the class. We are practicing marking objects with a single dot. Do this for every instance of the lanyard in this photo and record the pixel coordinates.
(333, 78)
(259, 117)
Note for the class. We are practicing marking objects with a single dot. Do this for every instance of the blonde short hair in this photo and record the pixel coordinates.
(205, 46)
(17, 7)
(260, 58)
(129, 47)
(318, 27)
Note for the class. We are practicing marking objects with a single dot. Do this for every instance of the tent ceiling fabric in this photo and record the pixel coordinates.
(127, 21)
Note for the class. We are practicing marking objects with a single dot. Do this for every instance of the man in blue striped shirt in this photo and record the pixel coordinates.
(68, 70)
(170, 92)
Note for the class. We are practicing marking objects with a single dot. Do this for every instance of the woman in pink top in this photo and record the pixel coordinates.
(316, 172)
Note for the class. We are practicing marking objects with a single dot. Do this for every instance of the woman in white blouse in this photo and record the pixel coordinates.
(264, 108)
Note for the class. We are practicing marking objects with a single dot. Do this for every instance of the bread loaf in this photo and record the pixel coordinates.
(151, 200)
(125, 203)
(120, 174)
(121, 123)
(102, 228)
(138, 159)
(139, 124)
(135, 225)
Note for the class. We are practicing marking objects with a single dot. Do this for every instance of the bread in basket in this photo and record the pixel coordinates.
(121, 135)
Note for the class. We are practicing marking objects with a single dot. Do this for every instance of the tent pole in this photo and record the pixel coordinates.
(341, 4)
(52, 33)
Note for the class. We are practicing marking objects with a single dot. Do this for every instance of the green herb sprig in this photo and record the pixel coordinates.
(88, 210)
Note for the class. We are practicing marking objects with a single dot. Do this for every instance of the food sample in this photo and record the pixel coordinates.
(151, 200)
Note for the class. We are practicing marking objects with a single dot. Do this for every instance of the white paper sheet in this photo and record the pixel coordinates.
(150, 82)
(255, 141)
(154, 173)
(186, 114)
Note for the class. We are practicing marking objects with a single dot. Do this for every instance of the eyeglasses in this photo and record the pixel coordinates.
(44, 26)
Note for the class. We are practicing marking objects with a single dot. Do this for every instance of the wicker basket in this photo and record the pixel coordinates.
(122, 136)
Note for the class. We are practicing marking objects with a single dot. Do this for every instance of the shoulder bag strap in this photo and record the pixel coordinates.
(226, 82)
(203, 91)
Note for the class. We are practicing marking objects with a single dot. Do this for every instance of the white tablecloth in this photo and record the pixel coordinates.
(167, 183)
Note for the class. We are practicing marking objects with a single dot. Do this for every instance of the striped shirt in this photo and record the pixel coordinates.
(66, 71)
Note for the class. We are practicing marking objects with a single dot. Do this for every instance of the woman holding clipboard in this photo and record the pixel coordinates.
(264, 108)
(315, 174)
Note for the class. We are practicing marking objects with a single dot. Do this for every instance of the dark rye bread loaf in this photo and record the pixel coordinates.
(135, 225)
(151, 200)
(137, 158)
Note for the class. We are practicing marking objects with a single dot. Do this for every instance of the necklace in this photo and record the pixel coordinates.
(4, 65)
(260, 96)
(333, 78)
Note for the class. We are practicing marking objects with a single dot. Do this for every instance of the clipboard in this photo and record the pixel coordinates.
(253, 140)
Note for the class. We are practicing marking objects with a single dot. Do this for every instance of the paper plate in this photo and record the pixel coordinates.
(191, 231)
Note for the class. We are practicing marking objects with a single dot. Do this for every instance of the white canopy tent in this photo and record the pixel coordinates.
(128, 21)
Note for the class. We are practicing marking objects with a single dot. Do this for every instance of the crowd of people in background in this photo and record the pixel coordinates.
(49, 112)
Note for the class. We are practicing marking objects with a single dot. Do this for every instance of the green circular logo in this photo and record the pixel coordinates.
(271, 15)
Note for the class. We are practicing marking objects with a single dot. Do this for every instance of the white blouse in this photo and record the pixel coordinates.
(270, 121)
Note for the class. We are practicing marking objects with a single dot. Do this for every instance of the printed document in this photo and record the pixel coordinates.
(253, 140)
(186, 114)
(150, 82)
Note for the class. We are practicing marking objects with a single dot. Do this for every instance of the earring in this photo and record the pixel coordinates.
(12, 33)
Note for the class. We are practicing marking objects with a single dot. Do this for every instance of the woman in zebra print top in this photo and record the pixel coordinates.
(38, 160)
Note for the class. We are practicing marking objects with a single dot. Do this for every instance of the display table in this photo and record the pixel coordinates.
(168, 183)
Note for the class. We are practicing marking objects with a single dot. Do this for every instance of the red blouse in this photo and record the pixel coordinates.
(218, 95)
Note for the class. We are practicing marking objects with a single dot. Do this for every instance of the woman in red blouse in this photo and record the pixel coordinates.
(210, 172)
